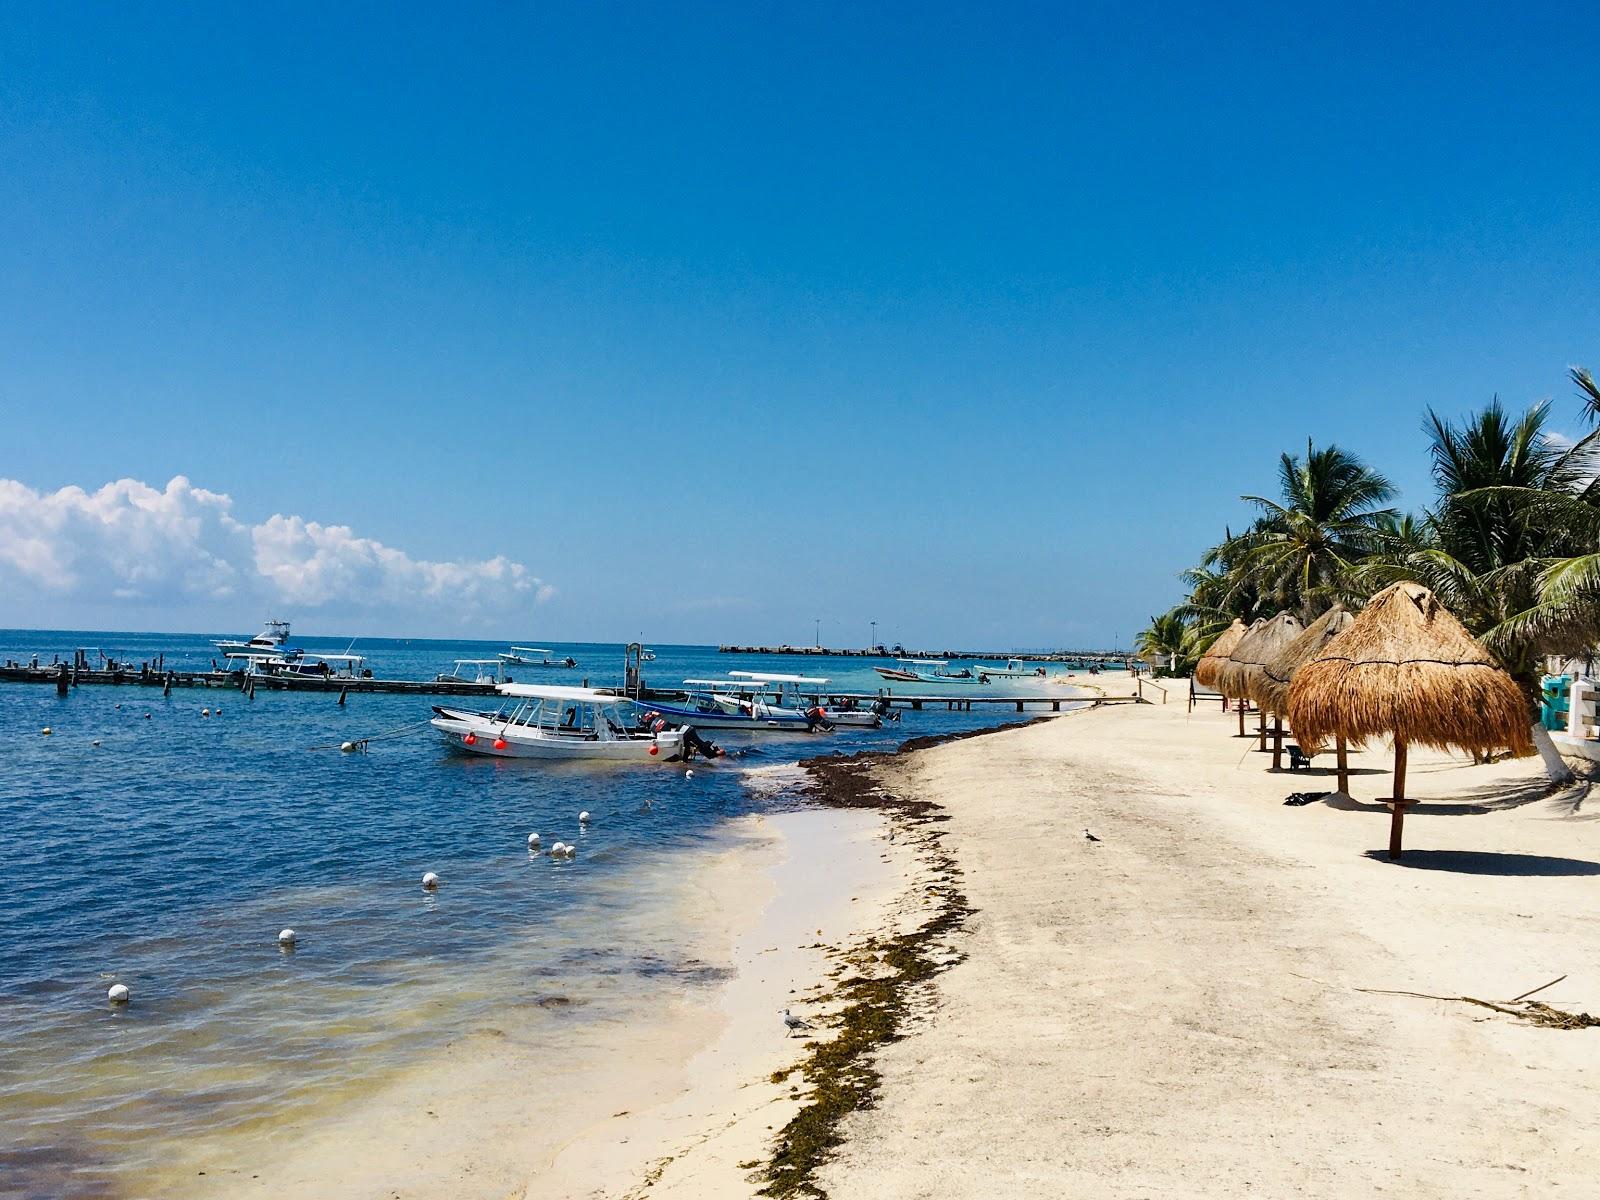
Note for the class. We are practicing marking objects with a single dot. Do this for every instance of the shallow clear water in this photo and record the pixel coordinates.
(169, 856)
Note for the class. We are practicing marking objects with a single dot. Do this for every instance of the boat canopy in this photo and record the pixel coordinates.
(763, 677)
(531, 650)
(577, 695)
(344, 658)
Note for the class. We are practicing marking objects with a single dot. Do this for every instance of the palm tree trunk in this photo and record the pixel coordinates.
(1554, 765)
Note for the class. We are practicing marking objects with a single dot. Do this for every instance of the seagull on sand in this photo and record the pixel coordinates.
(795, 1024)
(1089, 837)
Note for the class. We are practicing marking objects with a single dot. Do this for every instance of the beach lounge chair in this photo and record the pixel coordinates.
(1297, 757)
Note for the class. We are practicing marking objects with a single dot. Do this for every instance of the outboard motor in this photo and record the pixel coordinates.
(694, 743)
(817, 718)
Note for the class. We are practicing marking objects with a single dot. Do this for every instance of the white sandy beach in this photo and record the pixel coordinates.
(1174, 1010)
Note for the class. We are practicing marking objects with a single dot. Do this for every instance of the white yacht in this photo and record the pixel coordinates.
(269, 643)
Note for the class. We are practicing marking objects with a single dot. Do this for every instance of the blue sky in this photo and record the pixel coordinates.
(705, 321)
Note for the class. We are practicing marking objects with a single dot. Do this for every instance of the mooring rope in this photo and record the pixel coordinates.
(400, 731)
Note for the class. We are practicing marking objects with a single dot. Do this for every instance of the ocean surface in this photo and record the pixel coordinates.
(148, 844)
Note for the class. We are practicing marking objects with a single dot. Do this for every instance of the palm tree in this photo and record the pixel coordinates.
(1514, 522)
(1169, 636)
(1330, 515)
(1588, 393)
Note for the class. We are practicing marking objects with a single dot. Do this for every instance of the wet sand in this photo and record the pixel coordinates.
(673, 1094)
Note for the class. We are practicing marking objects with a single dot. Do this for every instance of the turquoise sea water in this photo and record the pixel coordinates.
(168, 856)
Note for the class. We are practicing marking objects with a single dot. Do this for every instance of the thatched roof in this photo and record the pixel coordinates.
(1407, 669)
(1263, 643)
(1271, 690)
(1205, 671)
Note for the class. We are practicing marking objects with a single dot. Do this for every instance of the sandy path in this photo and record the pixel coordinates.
(1171, 1012)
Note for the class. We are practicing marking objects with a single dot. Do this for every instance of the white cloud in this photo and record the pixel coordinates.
(132, 541)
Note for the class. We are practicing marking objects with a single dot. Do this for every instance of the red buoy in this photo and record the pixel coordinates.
(470, 740)
(655, 749)
(499, 743)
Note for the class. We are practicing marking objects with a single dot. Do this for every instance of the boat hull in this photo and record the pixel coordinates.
(523, 742)
(859, 719)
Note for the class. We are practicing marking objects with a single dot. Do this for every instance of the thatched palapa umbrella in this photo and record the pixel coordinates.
(1272, 685)
(1209, 667)
(1408, 670)
(1205, 671)
(1265, 640)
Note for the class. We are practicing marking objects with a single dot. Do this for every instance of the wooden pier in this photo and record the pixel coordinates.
(1082, 659)
(64, 676)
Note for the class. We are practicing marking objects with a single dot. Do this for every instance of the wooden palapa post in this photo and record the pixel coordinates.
(1399, 801)
(1277, 742)
(1344, 767)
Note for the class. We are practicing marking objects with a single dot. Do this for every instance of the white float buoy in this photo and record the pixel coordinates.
(430, 881)
(96, 742)
(688, 774)
(533, 841)
(348, 747)
(118, 993)
(205, 712)
(46, 731)
(583, 817)
(287, 937)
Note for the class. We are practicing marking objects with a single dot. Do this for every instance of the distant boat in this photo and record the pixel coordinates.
(269, 643)
(905, 672)
(322, 666)
(523, 656)
(563, 724)
(1015, 668)
(758, 702)
(791, 689)
(473, 670)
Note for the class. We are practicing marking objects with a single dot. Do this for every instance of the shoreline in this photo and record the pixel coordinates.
(1227, 994)
(679, 1098)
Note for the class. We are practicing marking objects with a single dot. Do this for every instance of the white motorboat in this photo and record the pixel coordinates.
(309, 664)
(1015, 668)
(733, 704)
(474, 670)
(565, 724)
(269, 643)
(794, 691)
(532, 656)
(926, 670)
